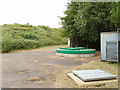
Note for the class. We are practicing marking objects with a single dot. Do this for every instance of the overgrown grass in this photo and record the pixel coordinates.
(19, 36)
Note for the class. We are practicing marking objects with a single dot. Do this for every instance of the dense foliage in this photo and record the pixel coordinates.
(17, 36)
(84, 21)
(115, 14)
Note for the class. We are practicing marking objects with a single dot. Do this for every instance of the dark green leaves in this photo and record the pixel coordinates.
(84, 22)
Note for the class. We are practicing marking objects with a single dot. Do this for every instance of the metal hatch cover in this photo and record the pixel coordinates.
(111, 51)
(93, 75)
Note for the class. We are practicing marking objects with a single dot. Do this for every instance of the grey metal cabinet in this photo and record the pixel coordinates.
(110, 46)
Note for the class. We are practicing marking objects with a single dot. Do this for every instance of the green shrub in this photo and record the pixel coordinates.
(24, 44)
(7, 44)
(26, 37)
(29, 36)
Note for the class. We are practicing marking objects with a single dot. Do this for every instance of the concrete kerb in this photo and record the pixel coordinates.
(76, 55)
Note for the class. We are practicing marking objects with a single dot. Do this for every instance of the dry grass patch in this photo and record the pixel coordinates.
(63, 81)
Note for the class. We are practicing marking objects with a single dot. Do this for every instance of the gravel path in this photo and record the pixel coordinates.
(34, 69)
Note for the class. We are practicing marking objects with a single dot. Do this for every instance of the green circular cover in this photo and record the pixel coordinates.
(83, 51)
(74, 48)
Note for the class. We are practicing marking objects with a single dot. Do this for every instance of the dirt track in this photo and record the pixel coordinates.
(34, 68)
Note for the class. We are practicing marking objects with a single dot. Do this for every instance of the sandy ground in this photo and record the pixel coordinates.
(34, 68)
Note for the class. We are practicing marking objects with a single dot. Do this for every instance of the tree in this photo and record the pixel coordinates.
(68, 22)
(115, 14)
(84, 22)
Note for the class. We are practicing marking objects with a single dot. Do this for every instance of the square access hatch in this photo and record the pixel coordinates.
(93, 75)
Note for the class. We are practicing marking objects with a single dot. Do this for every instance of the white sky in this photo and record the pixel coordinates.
(34, 12)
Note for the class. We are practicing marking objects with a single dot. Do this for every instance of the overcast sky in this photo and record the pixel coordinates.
(34, 12)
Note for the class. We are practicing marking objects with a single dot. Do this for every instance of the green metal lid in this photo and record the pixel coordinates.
(74, 48)
(83, 51)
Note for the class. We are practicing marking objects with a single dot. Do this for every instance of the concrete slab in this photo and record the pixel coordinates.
(92, 75)
(79, 82)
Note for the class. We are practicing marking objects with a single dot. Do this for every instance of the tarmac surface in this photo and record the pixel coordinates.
(34, 69)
